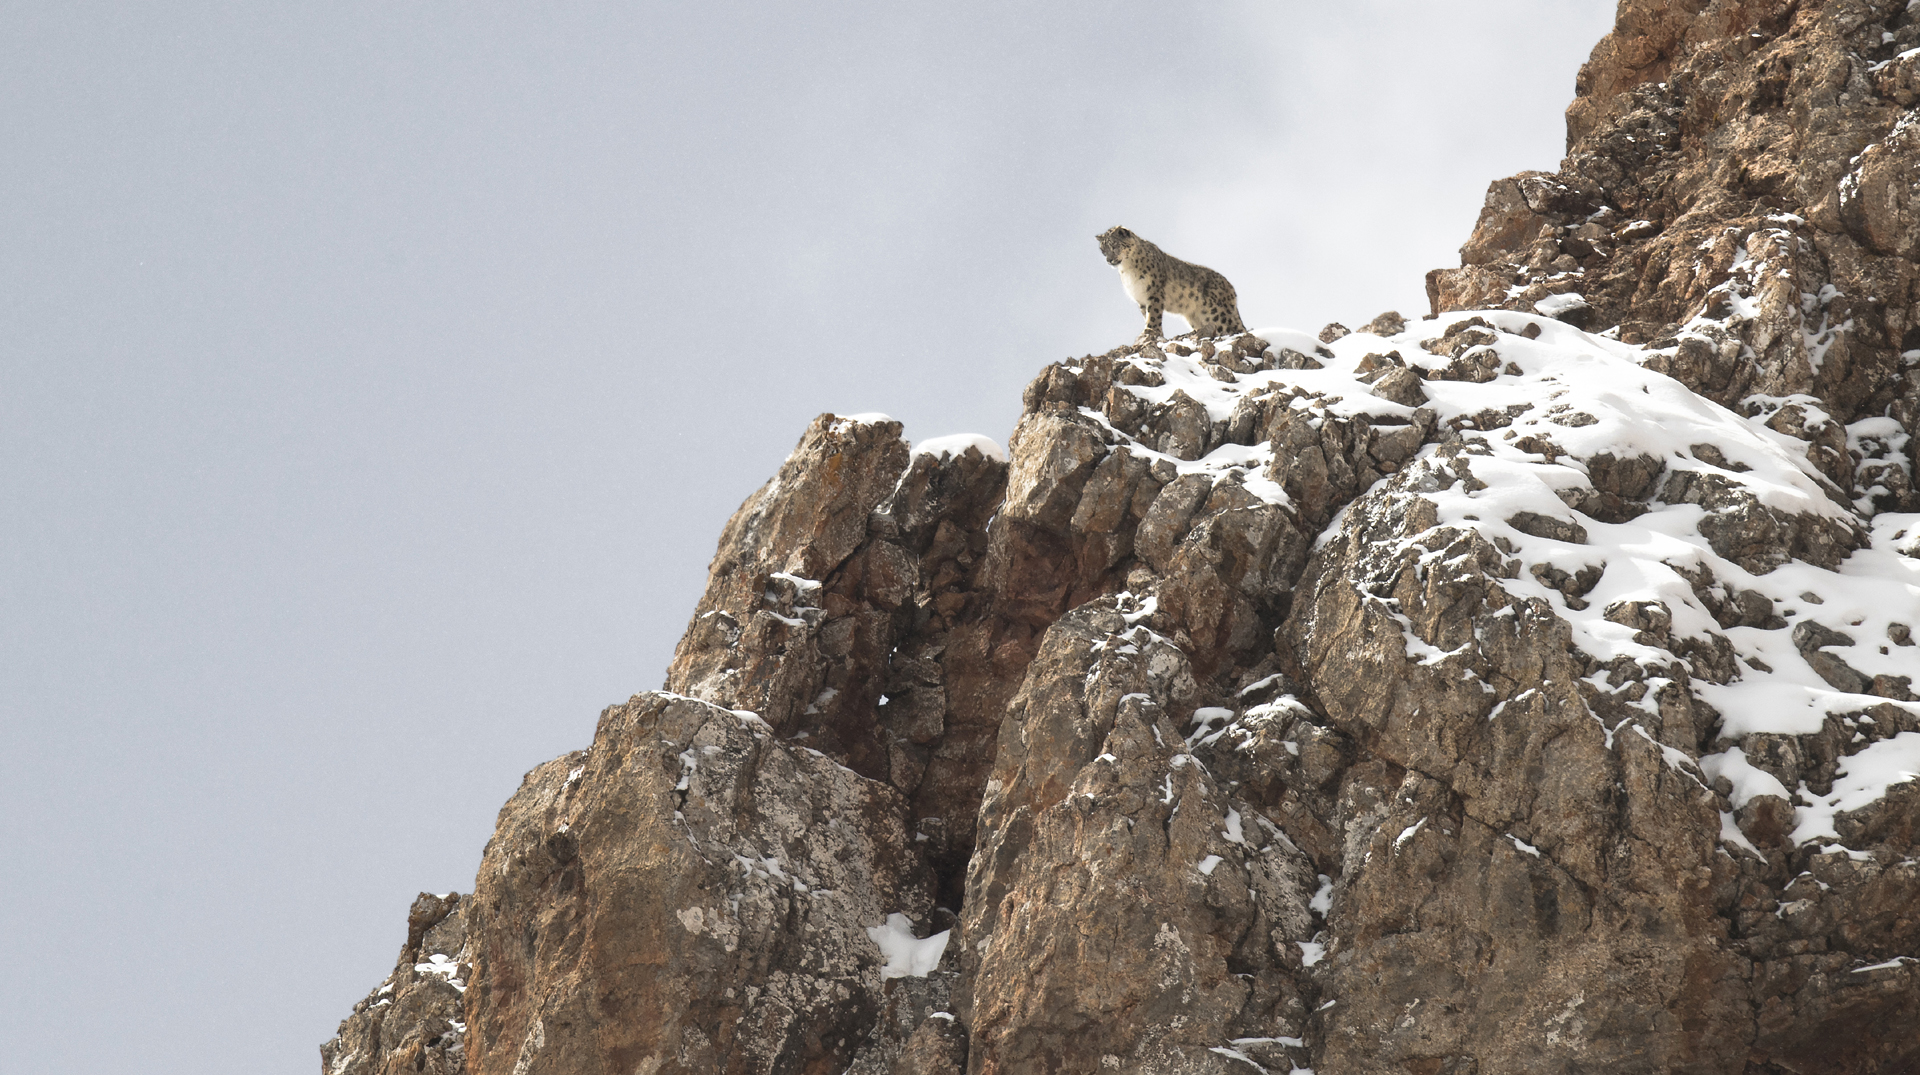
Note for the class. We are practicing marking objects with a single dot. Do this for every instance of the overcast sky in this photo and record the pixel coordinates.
(375, 380)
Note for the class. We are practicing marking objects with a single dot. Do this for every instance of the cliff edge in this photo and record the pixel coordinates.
(1527, 688)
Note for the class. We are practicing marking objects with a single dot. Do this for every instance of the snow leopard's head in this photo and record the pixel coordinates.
(1114, 243)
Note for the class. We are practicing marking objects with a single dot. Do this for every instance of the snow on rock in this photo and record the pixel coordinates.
(1669, 533)
(1450, 692)
(1505, 552)
(1863, 778)
(415, 1018)
(866, 418)
(907, 955)
(1746, 781)
(958, 444)
(1584, 536)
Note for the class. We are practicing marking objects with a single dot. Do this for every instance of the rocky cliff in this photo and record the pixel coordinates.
(1527, 688)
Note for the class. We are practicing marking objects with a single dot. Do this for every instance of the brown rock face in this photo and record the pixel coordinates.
(414, 1020)
(689, 894)
(1738, 191)
(1515, 858)
(851, 606)
(1098, 802)
(1475, 695)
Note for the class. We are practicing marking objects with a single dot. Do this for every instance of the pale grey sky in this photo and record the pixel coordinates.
(375, 380)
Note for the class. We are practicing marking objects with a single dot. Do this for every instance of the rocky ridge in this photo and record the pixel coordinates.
(1524, 689)
(1738, 195)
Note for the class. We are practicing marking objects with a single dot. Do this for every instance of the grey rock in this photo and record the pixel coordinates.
(1402, 386)
(1387, 324)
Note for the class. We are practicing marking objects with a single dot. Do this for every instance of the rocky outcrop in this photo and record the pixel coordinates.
(1522, 859)
(691, 894)
(851, 607)
(1528, 688)
(414, 1021)
(1097, 801)
(1737, 194)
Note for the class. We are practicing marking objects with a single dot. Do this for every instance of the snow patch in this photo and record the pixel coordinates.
(907, 956)
(1322, 901)
(1747, 780)
(1234, 834)
(956, 445)
(1863, 779)
(1555, 305)
(1409, 833)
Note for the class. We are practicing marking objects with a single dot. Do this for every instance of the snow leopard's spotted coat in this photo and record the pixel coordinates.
(1160, 282)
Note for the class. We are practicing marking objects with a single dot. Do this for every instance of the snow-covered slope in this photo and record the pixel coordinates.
(1708, 541)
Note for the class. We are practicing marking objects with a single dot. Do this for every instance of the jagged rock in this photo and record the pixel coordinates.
(1387, 324)
(938, 1047)
(1095, 802)
(691, 893)
(884, 656)
(1737, 187)
(769, 599)
(1243, 772)
(1402, 386)
(1482, 696)
(1497, 816)
(414, 1021)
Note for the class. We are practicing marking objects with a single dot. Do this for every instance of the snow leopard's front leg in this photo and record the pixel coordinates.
(1152, 309)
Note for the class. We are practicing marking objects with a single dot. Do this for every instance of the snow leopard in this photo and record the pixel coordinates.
(1158, 282)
